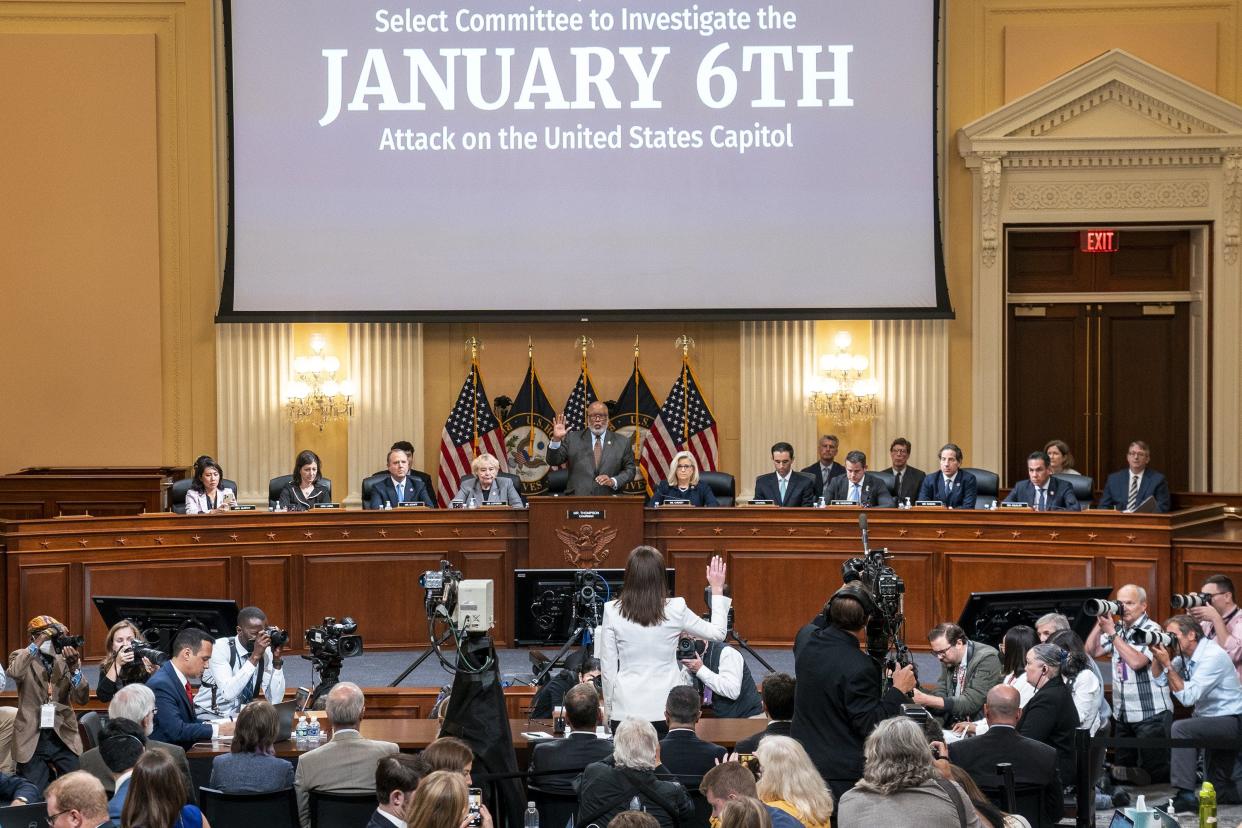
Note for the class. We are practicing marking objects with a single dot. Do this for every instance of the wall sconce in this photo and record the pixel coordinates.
(314, 395)
(840, 392)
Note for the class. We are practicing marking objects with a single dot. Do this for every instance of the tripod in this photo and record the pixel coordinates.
(329, 675)
(419, 660)
(580, 631)
(735, 636)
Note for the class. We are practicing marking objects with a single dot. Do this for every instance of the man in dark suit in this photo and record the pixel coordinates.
(1034, 763)
(907, 478)
(682, 751)
(858, 485)
(174, 695)
(952, 486)
(1128, 488)
(600, 461)
(136, 703)
(578, 749)
(785, 487)
(399, 486)
(78, 799)
(396, 778)
(839, 697)
(1041, 491)
(777, 691)
(826, 468)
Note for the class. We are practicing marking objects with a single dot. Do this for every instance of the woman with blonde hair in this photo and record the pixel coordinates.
(441, 801)
(683, 483)
(119, 666)
(486, 485)
(790, 782)
(745, 812)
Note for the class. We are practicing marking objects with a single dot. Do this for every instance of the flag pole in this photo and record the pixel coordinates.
(637, 434)
(530, 369)
(685, 343)
(474, 344)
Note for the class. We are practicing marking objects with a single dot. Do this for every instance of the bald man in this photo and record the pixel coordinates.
(600, 461)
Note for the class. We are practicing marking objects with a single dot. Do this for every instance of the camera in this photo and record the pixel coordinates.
(441, 587)
(279, 637)
(62, 640)
(689, 649)
(886, 625)
(333, 640)
(469, 605)
(1190, 600)
(1099, 606)
(1150, 637)
(142, 651)
(750, 762)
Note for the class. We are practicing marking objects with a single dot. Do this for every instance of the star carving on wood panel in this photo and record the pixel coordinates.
(754, 530)
(978, 533)
(271, 536)
(419, 531)
(159, 540)
(940, 532)
(681, 530)
(1016, 534)
(344, 533)
(197, 538)
(309, 534)
(1054, 535)
(457, 530)
(792, 530)
(45, 544)
(903, 532)
(828, 531)
(234, 536)
(83, 542)
(716, 530)
(1131, 538)
(383, 533)
(122, 541)
(493, 530)
(1092, 536)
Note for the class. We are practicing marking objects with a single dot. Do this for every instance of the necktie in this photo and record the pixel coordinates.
(1132, 499)
(948, 485)
(1041, 504)
(400, 492)
(783, 482)
(252, 689)
(599, 451)
(854, 493)
(189, 693)
(898, 481)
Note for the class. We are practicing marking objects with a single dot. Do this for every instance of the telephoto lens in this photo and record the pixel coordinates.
(1190, 600)
(1150, 637)
(1098, 606)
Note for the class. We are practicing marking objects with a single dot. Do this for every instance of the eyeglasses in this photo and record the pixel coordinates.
(597, 416)
(939, 653)
(51, 818)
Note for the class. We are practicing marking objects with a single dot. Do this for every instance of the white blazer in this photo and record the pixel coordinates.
(639, 664)
(196, 502)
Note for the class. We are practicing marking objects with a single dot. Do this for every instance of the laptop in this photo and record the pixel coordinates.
(24, 816)
(1120, 820)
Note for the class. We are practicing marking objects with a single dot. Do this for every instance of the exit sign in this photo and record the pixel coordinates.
(1098, 241)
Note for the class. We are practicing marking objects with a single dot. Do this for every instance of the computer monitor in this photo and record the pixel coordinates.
(987, 615)
(543, 601)
(160, 619)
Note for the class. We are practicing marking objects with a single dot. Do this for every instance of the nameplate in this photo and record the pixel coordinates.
(930, 503)
(585, 514)
(1014, 505)
(762, 502)
(413, 504)
(327, 505)
(679, 501)
(494, 505)
(238, 507)
(844, 503)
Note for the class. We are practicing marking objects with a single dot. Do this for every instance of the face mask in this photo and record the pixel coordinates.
(47, 649)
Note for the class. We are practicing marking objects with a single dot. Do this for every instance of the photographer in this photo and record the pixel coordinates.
(1220, 619)
(48, 674)
(723, 680)
(120, 666)
(242, 667)
(839, 697)
(1203, 677)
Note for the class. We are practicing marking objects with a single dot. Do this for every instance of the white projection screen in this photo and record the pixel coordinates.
(495, 159)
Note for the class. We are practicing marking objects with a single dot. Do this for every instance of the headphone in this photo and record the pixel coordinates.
(854, 590)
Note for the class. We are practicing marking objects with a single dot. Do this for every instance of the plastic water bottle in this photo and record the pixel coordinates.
(387, 505)
(301, 730)
(313, 731)
(532, 816)
(1207, 806)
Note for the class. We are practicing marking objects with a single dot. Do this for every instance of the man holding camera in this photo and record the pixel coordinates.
(1220, 619)
(49, 679)
(242, 667)
(1141, 706)
(1201, 675)
(722, 678)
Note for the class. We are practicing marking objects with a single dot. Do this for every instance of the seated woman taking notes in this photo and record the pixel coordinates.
(683, 483)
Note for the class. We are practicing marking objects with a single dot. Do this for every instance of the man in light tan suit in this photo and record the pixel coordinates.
(347, 763)
(45, 676)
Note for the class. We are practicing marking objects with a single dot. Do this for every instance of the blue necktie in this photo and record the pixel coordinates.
(854, 493)
(400, 492)
(783, 482)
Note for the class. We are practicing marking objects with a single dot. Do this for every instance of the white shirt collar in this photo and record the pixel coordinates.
(181, 679)
(400, 823)
(124, 777)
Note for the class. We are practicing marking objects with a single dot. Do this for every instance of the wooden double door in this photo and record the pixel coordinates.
(1107, 370)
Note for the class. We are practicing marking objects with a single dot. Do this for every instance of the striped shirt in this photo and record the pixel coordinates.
(1136, 697)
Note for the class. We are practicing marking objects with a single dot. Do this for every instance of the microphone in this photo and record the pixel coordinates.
(862, 525)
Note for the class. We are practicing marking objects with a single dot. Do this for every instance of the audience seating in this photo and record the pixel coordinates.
(276, 484)
(723, 485)
(555, 809)
(1084, 487)
(90, 724)
(278, 809)
(176, 495)
(987, 486)
(340, 810)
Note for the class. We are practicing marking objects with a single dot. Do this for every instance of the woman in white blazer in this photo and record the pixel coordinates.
(205, 494)
(638, 637)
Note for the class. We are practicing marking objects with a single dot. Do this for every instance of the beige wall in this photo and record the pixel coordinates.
(110, 228)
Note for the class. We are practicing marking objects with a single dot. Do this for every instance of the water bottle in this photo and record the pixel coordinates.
(387, 505)
(1207, 806)
(532, 816)
(313, 731)
(300, 731)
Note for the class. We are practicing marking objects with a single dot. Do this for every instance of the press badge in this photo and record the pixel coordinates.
(47, 715)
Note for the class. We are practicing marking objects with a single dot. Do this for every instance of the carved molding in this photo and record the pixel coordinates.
(989, 218)
(1116, 92)
(1113, 158)
(1233, 205)
(1108, 195)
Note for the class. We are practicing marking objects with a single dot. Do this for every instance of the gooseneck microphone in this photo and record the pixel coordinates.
(862, 525)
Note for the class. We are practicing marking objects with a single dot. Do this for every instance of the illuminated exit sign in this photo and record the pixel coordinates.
(1098, 241)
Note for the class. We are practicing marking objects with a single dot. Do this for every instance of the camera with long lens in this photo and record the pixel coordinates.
(1147, 638)
(141, 651)
(61, 640)
(334, 640)
(1190, 600)
(1099, 606)
(278, 637)
(886, 626)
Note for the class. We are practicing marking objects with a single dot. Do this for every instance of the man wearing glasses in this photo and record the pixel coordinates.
(77, 800)
(1220, 618)
(600, 461)
(968, 670)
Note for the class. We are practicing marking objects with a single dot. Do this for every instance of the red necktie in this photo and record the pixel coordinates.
(189, 692)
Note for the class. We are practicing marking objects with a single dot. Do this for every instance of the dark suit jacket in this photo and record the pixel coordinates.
(1117, 490)
(93, 764)
(571, 755)
(874, 492)
(698, 495)
(12, 787)
(689, 757)
(911, 482)
(174, 716)
(378, 820)
(964, 489)
(616, 461)
(800, 491)
(386, 491)
(1050, 717)
(1060, 495)
(814, 470)
(1033, 763)
(749, 744)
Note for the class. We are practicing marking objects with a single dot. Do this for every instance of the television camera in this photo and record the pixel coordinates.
(330, 643)
(886, 623)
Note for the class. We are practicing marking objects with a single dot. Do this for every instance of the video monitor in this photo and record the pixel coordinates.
(543, 601)
(160, 619)
(987, 615)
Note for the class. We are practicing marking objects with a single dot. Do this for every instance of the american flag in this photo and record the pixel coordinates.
(685, 423)
(576, 406)
(470, 420)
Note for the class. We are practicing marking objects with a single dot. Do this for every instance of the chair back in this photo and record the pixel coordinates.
(556, 810)
(276, 809)
(888, 479)
(1027, 798)
(723, 485)
(179, 490)
(368, 485)
(1084, 487)
(90, 724)
(987, 485)
(702, 810)
(427, 479)
(276, 484)
(340, 810)
(557, 480)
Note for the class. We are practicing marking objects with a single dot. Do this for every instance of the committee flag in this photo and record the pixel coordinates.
(471, 429)
(526, 433)
(685, 423)
(582, 396)
(632, 417)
